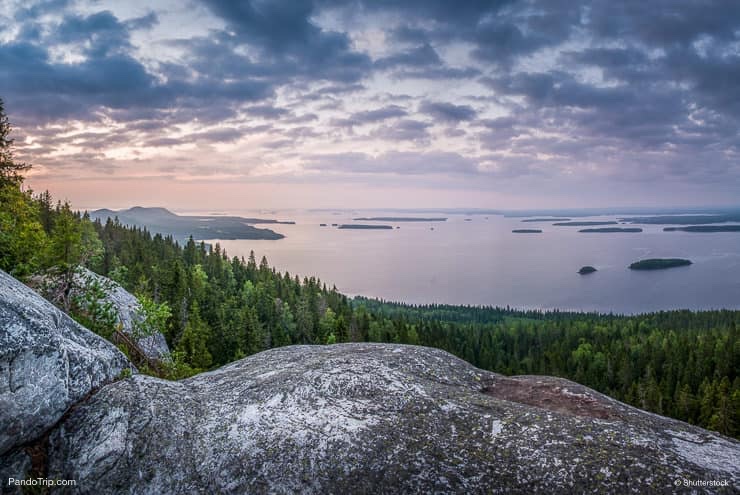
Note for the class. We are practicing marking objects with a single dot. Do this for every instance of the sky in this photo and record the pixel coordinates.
(239, 104)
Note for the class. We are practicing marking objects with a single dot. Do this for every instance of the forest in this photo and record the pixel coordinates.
(214, 309)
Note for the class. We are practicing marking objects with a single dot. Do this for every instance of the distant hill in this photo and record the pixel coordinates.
(163, 221)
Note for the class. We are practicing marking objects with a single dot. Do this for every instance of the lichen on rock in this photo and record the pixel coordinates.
(380, 418)
(47, 363)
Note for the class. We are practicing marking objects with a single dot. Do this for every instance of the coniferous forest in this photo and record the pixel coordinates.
(214, 309)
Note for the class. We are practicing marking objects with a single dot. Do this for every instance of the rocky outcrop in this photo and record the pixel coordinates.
(349, 418)
(374, 418)
(128, 309)
(47, 363)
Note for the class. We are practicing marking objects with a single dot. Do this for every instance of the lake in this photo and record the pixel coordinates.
(476, 259)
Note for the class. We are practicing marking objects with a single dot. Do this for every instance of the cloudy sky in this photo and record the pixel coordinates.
(367, 103)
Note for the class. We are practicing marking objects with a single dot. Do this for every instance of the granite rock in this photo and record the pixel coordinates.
(376, 418)
(48, 362)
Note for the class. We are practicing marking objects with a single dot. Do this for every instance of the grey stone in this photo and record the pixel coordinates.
(15, 464)
(376, 418)
(128, 309)
(47, 363)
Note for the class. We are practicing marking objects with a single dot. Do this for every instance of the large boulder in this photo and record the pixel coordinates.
(47, 363)
(128, 309)
(376, 418)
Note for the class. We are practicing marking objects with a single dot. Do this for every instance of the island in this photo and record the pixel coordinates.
(659, 263)
(401, 219)
(585, 270)
(547, 220)
(182, 227)
(704, 228)
(360, 226)
(583, 224)
(730, 216)
(608, 230)
(526, 231)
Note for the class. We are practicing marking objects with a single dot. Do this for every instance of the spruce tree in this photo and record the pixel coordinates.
(10, 171)
(193, 343)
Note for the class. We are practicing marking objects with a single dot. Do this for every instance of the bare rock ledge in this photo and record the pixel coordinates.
(48, 362)
(376, 418)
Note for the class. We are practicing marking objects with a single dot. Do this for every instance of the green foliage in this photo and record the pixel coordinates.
(152, 317)
(176, 366)
(22, 237)
(65, 243)
(91, 308)
(193, 344)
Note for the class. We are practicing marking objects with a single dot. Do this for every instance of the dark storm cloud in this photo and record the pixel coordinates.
(109, 77)
(448, 112)
(663, 23)
(420, 56)
(284, 33)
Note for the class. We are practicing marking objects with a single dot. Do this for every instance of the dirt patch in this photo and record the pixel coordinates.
(550, 395)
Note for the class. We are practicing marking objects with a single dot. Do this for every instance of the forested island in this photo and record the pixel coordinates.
(728, 216)
(401, 219)
(360, 226)
(163, 221)
(659, 263)
(610, 230)
(704, 228)
(586, 270)
(583, 224)
(526, 231)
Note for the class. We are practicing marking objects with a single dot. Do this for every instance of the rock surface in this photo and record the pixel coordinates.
(128, 307)
(376, 418)
(47, 363)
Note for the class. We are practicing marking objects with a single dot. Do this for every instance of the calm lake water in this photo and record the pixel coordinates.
(480, 261)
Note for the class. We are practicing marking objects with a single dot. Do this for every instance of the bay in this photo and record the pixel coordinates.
(477, 260)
